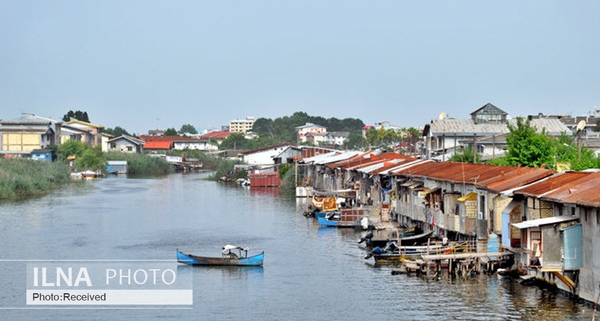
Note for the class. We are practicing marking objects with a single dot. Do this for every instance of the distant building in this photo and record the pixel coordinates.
(93, 136)
(336, 139)
(156, 132)
(217, 135)
(313, 130)
(446, 136)
(241, 125)
(126, 144)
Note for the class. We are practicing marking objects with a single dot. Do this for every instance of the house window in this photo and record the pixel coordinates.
(597, 217)
(129, 148)
(481, 207)
(559, 208)
(536, 243)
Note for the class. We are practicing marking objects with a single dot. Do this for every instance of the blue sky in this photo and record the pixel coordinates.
(160, 64)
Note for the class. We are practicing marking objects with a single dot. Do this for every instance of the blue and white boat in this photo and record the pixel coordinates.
(228, 257)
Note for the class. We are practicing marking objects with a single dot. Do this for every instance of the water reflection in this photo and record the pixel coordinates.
(310, 273)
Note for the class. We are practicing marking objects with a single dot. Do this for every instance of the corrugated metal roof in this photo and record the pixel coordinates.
(464, 127)
(373, 159)
(480, 175)
(320, 157)
(379, 165)
(544, 221)
(560, 180)
(367, 159)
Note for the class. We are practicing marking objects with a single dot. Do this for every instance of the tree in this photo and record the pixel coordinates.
(235, 141)
(465, 156)
(382, 138)
(189, 129)
(526, 147)
(170, 132)
(79, 115)
(92, 158)
(357, 141)
(117, 131)
(70, 148)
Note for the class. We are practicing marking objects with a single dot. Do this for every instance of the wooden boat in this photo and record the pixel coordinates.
(394, 254)
(228, 258)
(403, 240)
(329, 218)
(336, 219)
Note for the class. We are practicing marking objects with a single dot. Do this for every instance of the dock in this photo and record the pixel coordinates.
(463, 263)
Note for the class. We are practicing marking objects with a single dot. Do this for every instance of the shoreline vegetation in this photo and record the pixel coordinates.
(24, 177)
(21, 177)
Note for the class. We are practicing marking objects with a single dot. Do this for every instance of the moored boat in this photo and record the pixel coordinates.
(228, 258)
(402, 240)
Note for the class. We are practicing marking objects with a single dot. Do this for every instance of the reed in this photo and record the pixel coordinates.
(20, 177)
(141, 164)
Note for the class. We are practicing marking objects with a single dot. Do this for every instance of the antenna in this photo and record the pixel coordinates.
(442, 115)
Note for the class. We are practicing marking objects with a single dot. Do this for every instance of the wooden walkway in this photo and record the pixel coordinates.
(460, 256)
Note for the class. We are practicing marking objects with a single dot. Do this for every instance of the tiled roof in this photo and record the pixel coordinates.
(149, 138)
(158, 145)
(219, 134)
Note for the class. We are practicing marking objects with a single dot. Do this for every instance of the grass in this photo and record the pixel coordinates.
(20, 177)
(141, 164)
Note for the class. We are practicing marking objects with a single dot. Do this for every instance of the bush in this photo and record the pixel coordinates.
(21, 177)
(141, 164)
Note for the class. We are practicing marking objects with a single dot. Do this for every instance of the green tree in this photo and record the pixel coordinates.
(92, 158)
(70, 148)
(465, 156)
(170, 132)
(526, 147)
(235, 141)
(79, 115)
(117, 131)
(382, 138)
(189, 129)
(283, 129)
(357, 141)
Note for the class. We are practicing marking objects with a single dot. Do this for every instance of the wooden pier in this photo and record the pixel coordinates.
(464, 263)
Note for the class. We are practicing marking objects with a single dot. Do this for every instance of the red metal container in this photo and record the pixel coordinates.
(265, 179)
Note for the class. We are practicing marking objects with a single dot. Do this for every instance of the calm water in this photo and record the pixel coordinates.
(310, 273)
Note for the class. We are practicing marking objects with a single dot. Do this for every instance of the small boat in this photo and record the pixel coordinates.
(403, 240)
(228, 257)
(394, 253)
(88, 174)
(330, 222)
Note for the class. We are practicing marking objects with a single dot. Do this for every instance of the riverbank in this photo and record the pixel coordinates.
(21, 177)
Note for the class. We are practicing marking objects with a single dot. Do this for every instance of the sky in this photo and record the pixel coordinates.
(149, 64)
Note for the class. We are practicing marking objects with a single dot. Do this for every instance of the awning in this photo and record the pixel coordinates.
(469, 197)
(411, 184)
(544, 221)
(429, 190)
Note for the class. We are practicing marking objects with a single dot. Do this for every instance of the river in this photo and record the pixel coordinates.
(310, 273)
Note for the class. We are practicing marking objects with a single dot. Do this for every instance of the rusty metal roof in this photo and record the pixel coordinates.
(366, 159)
(495, 178)
(579, 188)
(554, 182)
